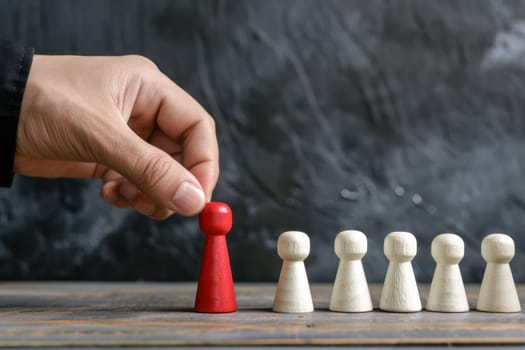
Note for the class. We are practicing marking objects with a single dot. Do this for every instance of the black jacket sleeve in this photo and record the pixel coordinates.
(15, 63)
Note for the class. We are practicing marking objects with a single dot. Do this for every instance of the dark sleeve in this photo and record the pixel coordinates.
(15, 62)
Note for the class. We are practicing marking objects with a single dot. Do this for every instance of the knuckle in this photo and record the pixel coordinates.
(141, 61)
(142, 68)
(212, 123)
(154, 171)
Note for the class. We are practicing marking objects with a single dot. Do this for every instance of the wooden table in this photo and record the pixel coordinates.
(160, 314)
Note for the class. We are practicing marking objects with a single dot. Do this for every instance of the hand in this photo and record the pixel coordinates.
(119, 119)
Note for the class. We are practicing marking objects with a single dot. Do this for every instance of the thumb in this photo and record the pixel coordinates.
(157, 174)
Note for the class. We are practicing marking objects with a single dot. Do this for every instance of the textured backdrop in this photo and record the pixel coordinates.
(374, 115)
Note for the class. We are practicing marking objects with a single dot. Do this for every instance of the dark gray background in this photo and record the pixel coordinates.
(374, 115)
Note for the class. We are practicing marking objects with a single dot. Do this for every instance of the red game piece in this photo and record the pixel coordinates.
(215, 292)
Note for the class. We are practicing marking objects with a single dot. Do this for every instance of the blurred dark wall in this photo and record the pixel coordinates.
(374, 115)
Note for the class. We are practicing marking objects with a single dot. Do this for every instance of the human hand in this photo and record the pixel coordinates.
(119, 119)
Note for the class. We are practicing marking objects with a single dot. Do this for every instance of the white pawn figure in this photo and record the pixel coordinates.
(293, 290)
(350, 291)
(400, 293)
(447, 292)
(498, 291)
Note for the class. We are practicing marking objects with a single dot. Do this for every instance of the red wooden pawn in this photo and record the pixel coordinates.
(215, 292)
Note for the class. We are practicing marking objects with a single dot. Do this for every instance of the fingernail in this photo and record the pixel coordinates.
(145, 208)
(128, 191)
(188, 199)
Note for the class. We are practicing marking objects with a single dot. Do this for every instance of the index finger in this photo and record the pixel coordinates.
(182, 118)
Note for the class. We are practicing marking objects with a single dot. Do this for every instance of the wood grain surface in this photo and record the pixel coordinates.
(158, 314)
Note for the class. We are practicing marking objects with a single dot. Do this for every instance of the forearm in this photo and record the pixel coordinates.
(15, 63)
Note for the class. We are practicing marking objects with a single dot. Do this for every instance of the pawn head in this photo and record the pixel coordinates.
(293, 246)
(400, 246)
(216, 219)
(350, 245)
(448, 248)
(497, 248)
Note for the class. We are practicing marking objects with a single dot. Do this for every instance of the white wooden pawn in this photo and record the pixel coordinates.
(400, 293)
(447, 292)
(350, 291)
(293, 290)
(498, 291)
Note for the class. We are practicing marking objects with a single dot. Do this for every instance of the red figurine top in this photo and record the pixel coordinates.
(216, 219)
